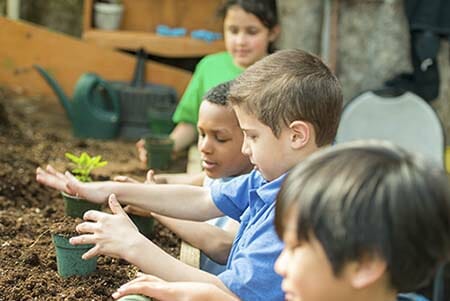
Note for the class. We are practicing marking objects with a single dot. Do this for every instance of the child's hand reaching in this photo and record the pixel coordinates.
(157, 288)
(142, 152)
(69, 184)
(113, 234)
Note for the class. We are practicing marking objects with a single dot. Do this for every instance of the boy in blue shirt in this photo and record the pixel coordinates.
(288, 106)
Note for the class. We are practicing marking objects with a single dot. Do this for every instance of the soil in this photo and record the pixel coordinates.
(34, 132)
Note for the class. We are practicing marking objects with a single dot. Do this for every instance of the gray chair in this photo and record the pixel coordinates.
(404, 119)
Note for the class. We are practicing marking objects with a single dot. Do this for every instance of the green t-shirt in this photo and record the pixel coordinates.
(212, 70)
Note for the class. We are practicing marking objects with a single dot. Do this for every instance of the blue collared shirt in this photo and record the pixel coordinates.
(250, 199)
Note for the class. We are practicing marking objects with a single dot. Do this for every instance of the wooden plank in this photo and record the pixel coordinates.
(145, 15)
(87, 15)
(139, 25)
(189, 254)
(194, 160)
(174, 47)
(67, 58)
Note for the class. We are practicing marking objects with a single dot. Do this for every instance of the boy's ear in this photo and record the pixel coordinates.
(300, 133)
(366, 271)
(274, 33)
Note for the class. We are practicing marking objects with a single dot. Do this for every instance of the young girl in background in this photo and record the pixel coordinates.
(250, 29)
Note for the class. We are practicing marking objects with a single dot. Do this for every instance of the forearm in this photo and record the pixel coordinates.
(180, 201)
(183, 135)
(152, 260)
(213, 241)
(181, 178)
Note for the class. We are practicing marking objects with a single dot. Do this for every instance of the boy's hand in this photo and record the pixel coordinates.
(69, 184)
(142, 152)
(54, 179)
(159, 289)
(112, 234)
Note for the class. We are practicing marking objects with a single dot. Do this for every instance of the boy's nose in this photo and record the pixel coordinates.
(280, 264)
(204, 145)
(245, 149)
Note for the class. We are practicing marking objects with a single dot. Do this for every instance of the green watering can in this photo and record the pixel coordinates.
(94, 110)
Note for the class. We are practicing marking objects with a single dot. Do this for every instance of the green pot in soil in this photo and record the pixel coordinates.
(134, 298)
(76, 207)
(143, 223)
(159, 151)
(68, 257)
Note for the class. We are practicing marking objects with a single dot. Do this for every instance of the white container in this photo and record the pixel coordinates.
(108, 16)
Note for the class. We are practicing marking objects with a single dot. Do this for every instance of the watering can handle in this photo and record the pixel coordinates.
(86, 85)
(139, 71)
(112, 96)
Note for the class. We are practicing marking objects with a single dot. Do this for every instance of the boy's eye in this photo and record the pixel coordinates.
(222, 140)
(248, 136)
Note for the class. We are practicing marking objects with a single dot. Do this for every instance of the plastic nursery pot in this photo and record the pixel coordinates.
(134, 298)
(159, 151)
(76, 207)
(160, 121)
(108, 16)
(143, 223)
(68, 257)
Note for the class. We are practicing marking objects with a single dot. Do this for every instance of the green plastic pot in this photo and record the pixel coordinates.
(68, 258)
(143, 223)
(76, 207)
(135, 298)
(160, 121)
(159, 151)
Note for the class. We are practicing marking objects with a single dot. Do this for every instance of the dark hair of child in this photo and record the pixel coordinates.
(376, 199)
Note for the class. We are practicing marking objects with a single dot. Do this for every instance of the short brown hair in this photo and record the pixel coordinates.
(291, 85)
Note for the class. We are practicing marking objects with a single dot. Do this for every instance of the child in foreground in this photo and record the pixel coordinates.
(363, 221)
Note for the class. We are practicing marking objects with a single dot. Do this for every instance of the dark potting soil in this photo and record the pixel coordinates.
(37, 133)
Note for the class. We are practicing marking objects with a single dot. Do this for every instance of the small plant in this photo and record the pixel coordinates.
(84, 164)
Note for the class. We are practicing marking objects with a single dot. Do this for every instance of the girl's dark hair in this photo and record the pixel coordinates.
(265, 10)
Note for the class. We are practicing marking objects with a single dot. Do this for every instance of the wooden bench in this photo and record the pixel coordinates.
(189, 254)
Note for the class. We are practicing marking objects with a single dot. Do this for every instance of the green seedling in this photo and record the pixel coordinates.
(84, 164)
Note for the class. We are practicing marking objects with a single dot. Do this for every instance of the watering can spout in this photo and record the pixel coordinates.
(58, 91)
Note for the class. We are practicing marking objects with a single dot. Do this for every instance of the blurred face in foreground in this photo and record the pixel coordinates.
(306, 271)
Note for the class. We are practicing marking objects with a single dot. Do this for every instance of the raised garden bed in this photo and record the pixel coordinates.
(38, 132)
